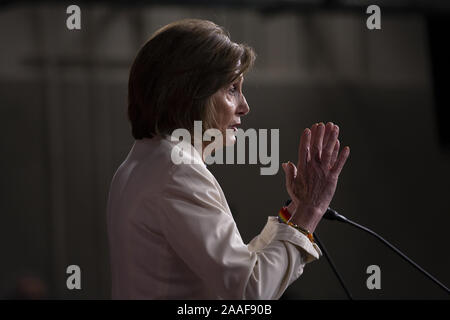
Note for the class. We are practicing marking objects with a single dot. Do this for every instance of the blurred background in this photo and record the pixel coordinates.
(64, 132)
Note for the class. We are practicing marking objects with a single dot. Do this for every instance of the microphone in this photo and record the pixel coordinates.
(331, 214)
(330, 261)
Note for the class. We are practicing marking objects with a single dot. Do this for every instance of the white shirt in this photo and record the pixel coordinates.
(172, 235)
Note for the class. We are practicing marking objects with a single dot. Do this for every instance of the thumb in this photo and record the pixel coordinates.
(288, 172)
(292, 169)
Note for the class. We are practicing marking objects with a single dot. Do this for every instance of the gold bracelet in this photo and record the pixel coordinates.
(304, 231)
(284, 216)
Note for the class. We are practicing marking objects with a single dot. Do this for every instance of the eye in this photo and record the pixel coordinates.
(233, 89)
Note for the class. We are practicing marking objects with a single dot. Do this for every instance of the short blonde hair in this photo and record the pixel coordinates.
(176, 73)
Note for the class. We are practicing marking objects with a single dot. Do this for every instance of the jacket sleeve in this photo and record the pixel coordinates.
(202, 231)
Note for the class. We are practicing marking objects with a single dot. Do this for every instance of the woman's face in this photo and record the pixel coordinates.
(230, 106)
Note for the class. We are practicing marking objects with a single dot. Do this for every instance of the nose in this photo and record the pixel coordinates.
(243, 107)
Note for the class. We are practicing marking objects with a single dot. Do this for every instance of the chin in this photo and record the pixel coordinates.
(230, 139)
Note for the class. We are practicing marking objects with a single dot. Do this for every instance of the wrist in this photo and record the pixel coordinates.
(285, 217)
(291, 208)
(307, 218)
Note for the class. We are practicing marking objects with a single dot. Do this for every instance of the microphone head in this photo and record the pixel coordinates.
(331, 214)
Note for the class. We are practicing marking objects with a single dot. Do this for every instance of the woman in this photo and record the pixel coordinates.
(171, 232)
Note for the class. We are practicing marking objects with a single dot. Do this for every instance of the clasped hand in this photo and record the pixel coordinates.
(311, 183)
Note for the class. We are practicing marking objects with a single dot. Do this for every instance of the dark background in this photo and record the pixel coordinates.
(64, 132)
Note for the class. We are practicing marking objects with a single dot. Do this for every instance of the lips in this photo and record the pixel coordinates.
(234, 126)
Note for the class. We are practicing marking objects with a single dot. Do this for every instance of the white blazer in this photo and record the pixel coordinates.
(172, 235)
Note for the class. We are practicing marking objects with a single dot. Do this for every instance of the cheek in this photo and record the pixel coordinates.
(225, 110)
(230, 114)
(224, 115)
(230, 110)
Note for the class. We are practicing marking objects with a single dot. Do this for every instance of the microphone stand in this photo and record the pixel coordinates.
(325, 253)
(331, 214)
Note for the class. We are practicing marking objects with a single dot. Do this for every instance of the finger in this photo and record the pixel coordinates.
(342, 158)
(328, 128)
(288, 176)
(292, 169)
(290, 172)
(303, 150)
(335, 153)
(313, 131)
(316, 147)
(313, 134)
(329, 147)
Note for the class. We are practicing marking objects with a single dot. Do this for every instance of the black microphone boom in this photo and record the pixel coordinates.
(331, 214)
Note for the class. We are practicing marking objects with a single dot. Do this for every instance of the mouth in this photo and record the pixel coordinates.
(234, 126)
